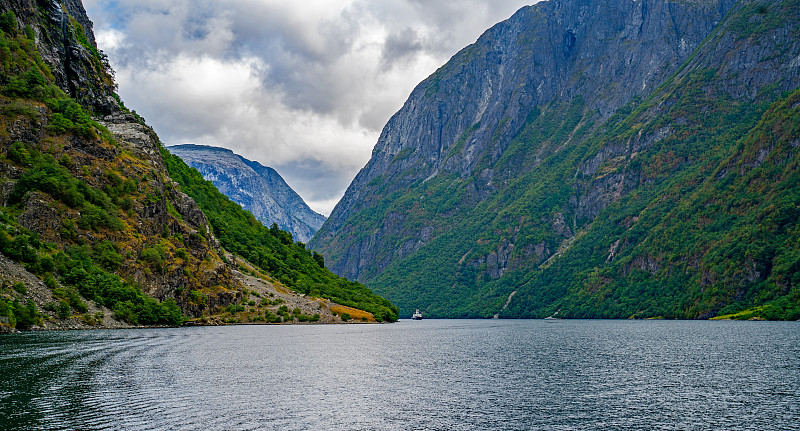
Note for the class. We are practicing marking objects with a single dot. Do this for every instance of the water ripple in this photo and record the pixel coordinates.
(436, 375)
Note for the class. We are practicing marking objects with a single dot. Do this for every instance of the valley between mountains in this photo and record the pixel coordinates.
(582, 159)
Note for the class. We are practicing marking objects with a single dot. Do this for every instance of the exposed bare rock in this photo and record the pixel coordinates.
(465, 115)
(41, 217)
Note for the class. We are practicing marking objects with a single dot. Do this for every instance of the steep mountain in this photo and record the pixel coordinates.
(258, 189)
(94, 231)
(591, 158)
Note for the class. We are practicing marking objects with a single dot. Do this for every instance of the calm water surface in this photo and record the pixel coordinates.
(426, 375)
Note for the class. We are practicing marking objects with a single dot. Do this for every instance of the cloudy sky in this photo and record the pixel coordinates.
(302, 86)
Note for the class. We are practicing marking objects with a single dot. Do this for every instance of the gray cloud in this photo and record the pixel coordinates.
(399, 46)
(304, 87)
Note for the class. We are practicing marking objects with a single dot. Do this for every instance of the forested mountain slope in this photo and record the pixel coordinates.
(592, 158)
(273, 250)
(93, 231)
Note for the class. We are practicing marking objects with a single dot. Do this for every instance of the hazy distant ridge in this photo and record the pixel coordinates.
(257, 188)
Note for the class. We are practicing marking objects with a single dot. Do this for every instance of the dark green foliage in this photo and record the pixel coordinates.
(49, 280)
(94, 217)
(20, 61)
(20, 247)
(234, 308)
(20, 287)
(62, 309)
(8, 22)
(69, 116)
(81, 271)
(28, 85)
(319, 258)
(48, 176)
(72, 297)
(26, 76)
(153, 255)
(272, 249)
(68, 230)
(7, 311)
(307, 318)
(759, 17)
(148, 311)
(269, 317)
(26, 315)
(19, 153)
(197, 297)
(106, 254)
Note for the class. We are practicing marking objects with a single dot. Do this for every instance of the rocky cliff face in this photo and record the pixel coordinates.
(258, 189)
(462, 118)
(508, 158)
(65, 40)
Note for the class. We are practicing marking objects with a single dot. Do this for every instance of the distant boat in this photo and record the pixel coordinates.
(417, 315)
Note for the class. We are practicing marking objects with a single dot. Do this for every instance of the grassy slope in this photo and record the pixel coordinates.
(714, 237)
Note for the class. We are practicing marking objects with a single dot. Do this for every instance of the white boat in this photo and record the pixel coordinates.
(417, 315)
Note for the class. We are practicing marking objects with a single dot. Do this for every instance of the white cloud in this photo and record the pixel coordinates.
(304, 87)
(110, 39)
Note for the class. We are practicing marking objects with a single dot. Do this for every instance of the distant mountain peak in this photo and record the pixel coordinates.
(257, 188)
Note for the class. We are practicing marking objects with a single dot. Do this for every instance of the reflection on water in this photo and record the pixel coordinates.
(446, 374)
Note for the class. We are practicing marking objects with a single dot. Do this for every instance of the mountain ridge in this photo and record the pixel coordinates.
(517, 214)
(505, 117)
(257, 188)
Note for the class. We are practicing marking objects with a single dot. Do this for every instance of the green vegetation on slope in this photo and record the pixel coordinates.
(719, 237)
(271, 248)
(681, 205)
(450, 276)
(79, 271)
(83, 270)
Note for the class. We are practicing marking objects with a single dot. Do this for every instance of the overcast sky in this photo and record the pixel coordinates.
(302, 86)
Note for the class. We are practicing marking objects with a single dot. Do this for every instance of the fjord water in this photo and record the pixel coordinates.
(430, 374)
